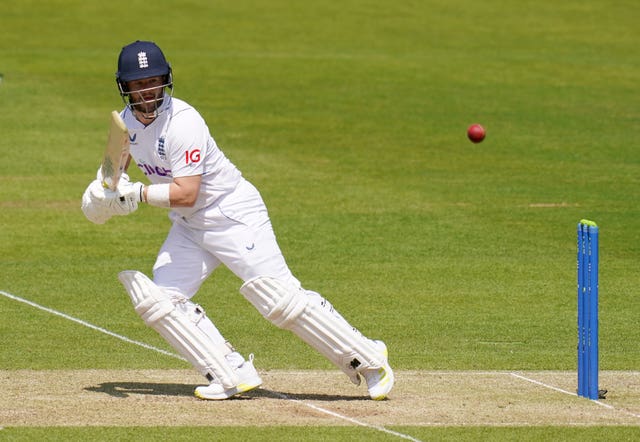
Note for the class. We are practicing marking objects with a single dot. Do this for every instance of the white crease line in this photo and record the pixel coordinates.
(159, 350)
(91, 326)
(551, 387)
(349, 419)
(533, 381)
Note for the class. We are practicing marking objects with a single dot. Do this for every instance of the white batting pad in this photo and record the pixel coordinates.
(313, 320)
(185, 331)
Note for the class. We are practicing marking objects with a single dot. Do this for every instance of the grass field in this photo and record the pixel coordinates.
(350, 117)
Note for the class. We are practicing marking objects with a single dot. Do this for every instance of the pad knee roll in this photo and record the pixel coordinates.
(277, 303)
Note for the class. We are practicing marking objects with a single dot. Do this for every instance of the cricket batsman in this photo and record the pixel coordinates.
(218, 218)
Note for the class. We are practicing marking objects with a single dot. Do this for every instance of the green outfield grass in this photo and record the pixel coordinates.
(293, 434)
(350, 117)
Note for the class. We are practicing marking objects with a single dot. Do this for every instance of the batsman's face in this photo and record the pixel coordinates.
(147, 93)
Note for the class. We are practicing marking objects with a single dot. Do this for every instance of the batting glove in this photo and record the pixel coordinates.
(94, 210)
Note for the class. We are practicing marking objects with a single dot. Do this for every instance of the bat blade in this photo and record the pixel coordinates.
(116, 153)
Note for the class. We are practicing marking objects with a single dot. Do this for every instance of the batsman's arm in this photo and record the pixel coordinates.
(182, 192)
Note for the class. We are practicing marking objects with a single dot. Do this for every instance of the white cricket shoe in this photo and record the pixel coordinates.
(249, 379)
(379, 380)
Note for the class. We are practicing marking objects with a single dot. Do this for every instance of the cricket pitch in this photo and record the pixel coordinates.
(420, 398)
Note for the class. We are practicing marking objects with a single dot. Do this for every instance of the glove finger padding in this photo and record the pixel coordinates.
(97, 192)
(100, 204)
(126, 198)
(126, 205)
(120, 204)
(94, 211)
(132, 190)
(109, 201)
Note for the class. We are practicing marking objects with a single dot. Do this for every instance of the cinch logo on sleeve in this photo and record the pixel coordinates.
(149, 170)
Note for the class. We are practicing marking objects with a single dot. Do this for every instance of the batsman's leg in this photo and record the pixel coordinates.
(314, 320)
(185, 326)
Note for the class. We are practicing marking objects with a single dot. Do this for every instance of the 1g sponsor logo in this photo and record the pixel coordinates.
(192, 156)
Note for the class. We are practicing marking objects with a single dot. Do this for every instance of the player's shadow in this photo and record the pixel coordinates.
(272, 394)
(125, 389)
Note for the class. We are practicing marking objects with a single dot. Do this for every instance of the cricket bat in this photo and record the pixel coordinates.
(116, 153)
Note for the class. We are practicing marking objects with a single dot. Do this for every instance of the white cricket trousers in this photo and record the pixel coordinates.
(238, 234)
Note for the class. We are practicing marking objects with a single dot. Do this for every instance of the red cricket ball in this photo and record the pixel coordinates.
(476, 133)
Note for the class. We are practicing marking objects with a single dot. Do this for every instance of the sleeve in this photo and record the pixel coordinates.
(187, 144)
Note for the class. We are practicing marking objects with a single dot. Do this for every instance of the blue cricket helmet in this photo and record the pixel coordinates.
(141, 59)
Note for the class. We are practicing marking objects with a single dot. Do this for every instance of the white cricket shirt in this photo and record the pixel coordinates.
(177, 144)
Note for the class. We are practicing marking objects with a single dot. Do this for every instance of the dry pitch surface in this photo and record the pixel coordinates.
(421, 398)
